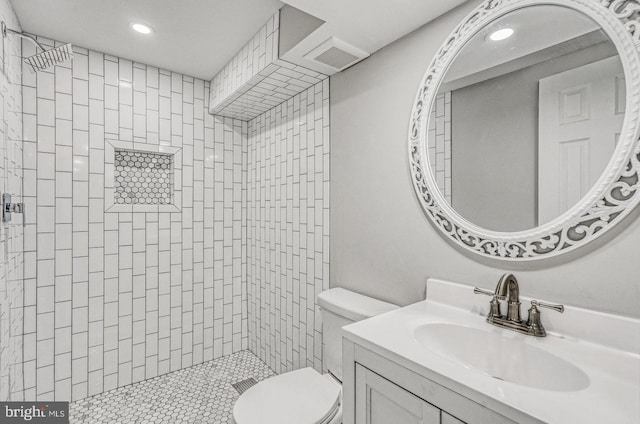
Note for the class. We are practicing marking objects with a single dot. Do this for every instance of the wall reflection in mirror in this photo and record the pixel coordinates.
(526, 118)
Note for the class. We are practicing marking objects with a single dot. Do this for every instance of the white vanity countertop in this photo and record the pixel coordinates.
(612, 395)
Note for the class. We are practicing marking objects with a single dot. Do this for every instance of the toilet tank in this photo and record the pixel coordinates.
(341, 307)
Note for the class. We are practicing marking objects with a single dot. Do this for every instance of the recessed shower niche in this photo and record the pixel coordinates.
(142, 177)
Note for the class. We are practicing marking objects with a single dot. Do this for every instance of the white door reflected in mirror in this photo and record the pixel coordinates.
(580, 115)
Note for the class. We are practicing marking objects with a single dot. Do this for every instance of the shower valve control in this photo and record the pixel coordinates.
(9, 208)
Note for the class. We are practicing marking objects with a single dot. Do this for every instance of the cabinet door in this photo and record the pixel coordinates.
(448, 419)
(378, 401)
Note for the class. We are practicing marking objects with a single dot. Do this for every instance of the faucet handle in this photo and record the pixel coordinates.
(534, 325)
(478, 290)
(494, 311)
(558, 308)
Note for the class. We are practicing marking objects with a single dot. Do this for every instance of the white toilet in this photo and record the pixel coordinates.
(306, 396)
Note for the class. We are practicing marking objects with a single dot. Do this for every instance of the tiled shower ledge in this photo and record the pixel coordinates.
(196, 395)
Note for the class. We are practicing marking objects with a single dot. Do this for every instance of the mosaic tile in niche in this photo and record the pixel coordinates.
(143, 178)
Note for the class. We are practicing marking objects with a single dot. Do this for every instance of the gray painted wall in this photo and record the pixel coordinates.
(508, 147)
(494, 133)
(383, 245)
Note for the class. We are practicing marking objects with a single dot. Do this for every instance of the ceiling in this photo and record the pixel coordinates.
(193, 37)
(532, 34)
(198, 37)
(372, 24)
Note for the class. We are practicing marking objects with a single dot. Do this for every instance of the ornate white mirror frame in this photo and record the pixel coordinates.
(614, 195)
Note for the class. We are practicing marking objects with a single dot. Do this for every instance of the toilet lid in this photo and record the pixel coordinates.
(298, 397)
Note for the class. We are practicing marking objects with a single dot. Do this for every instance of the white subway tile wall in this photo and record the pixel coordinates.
(257, 54)
(275, 84)
(288, 229)
(12, 291)
(255, 80)
(440, 143)
(113, 298)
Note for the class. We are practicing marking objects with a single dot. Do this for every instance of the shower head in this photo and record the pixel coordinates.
(49, 58)
(46, 58)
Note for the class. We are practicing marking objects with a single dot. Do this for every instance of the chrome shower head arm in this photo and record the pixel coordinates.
(6, 30)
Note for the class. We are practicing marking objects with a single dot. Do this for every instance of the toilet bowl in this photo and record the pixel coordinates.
(305, 396)
(296, 397)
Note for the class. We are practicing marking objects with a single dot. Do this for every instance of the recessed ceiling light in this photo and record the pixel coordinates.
(501, 34)
(141, 28)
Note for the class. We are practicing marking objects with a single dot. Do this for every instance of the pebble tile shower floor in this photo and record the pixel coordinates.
(197, 395)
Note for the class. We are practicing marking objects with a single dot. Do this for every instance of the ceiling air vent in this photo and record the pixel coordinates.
(336, 54)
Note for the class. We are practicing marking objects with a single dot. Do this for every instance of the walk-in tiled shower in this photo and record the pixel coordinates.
(167, 251)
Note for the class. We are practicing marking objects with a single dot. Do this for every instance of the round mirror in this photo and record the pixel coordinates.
(523, 138)
(526, 118)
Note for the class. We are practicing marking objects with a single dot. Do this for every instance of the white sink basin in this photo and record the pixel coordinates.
(587, 370)
(502, 356)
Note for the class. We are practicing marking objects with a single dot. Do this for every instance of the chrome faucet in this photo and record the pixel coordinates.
(508, 289)
(509, 284)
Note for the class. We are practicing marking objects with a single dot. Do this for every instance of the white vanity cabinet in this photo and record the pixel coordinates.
(376, 390)
(379, 401)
